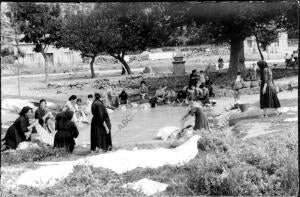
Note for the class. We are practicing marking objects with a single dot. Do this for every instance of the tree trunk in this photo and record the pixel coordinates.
(258, 47)
(92, 67)
(237, 59)
(46, 66)
(125, 67)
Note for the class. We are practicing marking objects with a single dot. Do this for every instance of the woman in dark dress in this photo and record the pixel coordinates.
(208, 85)
(268, 95)
(66, 131)
(201, 121)
(123, 97)
(194, 78)
(19, 131)
(100, 136)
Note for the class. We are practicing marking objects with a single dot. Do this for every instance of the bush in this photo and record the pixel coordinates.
(211, 144)
(86, 181)
(31, 155)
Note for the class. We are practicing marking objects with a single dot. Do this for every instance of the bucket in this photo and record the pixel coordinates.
(244, 107)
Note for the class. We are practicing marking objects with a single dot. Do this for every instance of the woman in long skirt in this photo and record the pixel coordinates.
(268, 94)
(100, 126)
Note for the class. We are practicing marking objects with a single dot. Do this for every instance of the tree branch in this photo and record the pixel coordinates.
(257, 42)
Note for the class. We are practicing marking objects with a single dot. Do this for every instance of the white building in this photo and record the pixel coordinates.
(57, 57)
(280, 46)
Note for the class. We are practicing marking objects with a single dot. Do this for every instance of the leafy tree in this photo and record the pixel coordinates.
(83, 32)
(115, 29)
(133, 27)
(40, 25)
(232, 22)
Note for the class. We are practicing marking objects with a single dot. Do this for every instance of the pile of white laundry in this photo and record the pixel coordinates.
(120, 161)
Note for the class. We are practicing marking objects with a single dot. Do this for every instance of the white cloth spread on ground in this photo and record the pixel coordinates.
(120, 161)
(146, 186)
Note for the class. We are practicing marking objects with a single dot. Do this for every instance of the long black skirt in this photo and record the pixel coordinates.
(64, 139)
(269, 99)
(99, 137)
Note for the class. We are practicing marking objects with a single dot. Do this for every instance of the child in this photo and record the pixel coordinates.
(123, 97)
(238, 84)
(153, 101)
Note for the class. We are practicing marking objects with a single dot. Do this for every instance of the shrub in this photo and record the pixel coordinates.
(31, 155)
(211, 144)
(86, 181)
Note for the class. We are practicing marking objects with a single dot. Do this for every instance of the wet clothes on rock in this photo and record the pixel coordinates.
(99, 137)
(269, 99)
(16, 132)
(201, 121)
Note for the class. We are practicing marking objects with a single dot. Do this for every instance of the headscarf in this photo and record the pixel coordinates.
(25, 110)
(97, 96)
(69, 115)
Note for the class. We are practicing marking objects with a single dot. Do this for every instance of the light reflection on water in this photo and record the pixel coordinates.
(143, 127)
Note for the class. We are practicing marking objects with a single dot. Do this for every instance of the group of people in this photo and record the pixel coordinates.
(65, 121)
(199, 89)
(290, 60)
(63, 125)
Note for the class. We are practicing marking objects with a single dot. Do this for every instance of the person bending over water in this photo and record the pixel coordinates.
(66, 131)
(196, 110)
(20, 130)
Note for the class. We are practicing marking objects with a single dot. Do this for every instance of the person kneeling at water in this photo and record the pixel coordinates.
(201, 121)
(20, 130)
(66, 131)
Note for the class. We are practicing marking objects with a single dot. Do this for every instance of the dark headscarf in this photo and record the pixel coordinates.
(97, 96)
(262, 64)
(24, 110)
(69, 115)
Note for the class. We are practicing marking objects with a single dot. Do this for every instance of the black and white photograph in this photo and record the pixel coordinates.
(183, 98)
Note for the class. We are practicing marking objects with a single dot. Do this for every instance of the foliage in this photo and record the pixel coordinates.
(39, 24)
(115, 29)
(31, 155)
(86, 181)
(232, 22)
(6, 52)
(211, 144)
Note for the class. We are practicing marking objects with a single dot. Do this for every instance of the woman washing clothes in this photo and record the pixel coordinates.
(20, 130)
(201, 121)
